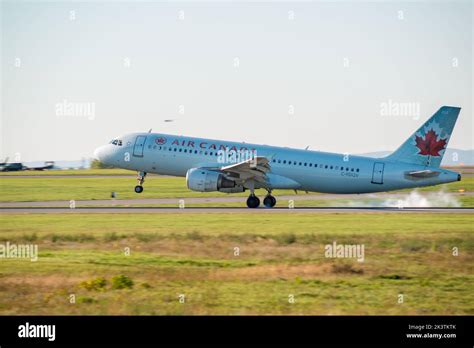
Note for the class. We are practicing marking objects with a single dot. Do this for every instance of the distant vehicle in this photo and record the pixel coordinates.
(18, 166)
(215, 165)
(11, 167)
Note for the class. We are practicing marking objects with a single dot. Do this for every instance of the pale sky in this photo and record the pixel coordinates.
(280, 73)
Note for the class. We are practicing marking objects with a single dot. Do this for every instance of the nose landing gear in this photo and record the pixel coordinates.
(141, 180)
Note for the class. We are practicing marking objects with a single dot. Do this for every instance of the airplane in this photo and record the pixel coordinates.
(230, 167)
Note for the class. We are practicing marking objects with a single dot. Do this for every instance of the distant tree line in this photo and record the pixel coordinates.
(96, 164)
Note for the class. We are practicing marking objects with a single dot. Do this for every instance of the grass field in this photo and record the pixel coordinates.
(173, 254)
(280, 255)
(73, 188)
(111, 172)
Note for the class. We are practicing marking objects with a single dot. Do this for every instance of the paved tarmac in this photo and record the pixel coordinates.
(276, 210)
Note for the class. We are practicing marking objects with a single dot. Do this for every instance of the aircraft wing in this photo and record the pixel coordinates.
(255, 168)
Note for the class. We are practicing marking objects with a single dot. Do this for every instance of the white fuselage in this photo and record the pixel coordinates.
(290, 168)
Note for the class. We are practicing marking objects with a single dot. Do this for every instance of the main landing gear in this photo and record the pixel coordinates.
(269, 201)
(141, 180)
(253, 201)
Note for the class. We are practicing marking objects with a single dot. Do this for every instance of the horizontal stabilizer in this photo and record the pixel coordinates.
(422, 174)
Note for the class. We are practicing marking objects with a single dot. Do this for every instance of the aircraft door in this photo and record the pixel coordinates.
(377, 174)
(139, 146)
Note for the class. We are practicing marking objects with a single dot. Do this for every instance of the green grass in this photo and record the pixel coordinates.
(280, 254)
(72, 188)
(166, 224)
(71, 172)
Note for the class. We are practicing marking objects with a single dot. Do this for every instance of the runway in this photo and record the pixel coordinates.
(143, 201)
(276, 210)
(358, 200)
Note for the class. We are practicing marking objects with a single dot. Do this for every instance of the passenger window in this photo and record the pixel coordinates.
(284, 161)
(305, 164)
(357, 170)
(352, 169)
(331, 167)
(347, 169)
(326, 166)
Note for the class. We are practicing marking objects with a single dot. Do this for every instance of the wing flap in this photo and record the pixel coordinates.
(253, 169)
(257, 166)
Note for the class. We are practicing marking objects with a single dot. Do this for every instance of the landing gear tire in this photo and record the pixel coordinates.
(141, 180)
(253, 201)
(269, 201)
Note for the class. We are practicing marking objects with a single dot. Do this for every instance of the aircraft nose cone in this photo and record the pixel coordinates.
(99, 154)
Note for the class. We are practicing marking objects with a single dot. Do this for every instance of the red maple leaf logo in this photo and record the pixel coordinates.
(430, 145)
(160, 140)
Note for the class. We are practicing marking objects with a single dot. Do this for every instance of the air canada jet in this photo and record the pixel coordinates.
(224, 166)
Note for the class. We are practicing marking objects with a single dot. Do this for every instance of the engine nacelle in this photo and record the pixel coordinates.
(204, 180)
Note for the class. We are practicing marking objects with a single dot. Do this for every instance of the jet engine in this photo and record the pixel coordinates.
(204, 180)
